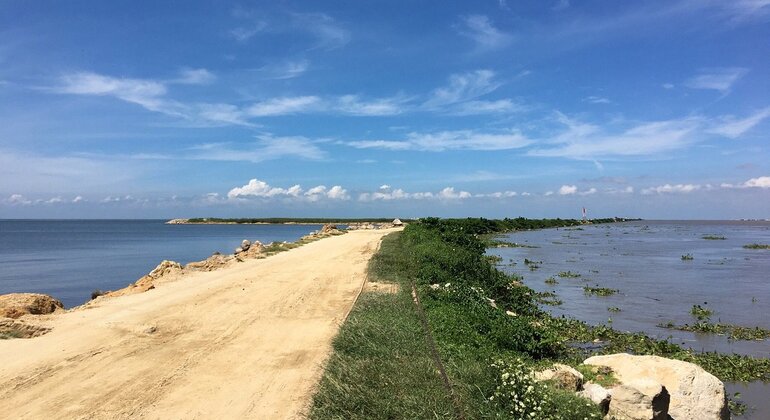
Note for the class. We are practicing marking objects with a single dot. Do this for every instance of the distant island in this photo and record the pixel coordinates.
(276, 220)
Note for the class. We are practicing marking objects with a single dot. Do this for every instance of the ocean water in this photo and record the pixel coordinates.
(643, 261)
(68, 259)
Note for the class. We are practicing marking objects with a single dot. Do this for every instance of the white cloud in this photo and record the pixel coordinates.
(245, 33)
(588, 141)
(480, 29)
(597, 100)
(502, 106)
(283, 106)
(286, 70)
(734, 128)
(761, 182)
(590, 191)
(449, 193)
(257, 188)
(389, 194)
(547, 193)
(267, 147)
(18, 199)
(260, 189)
(450, 140)
(147, 93)
(668, 85)
(195, 77)
(499, 194)
(78, 199)
(353, 105)
(568, 190)
(463, 87)
(669, 189)
(720, 79)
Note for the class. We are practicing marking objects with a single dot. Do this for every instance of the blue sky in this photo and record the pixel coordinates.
(653, 109)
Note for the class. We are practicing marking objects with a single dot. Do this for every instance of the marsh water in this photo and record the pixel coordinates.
(68, 259)
(643, 261)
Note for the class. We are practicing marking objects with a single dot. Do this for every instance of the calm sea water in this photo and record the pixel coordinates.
(643, 261)
(69, 259)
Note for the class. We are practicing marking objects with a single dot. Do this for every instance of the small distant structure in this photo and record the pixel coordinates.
(585, 216)
(397, 222)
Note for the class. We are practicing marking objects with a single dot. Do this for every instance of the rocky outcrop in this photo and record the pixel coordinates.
(211, 263)
(250, 249)
(695, 393)
(165, 269)
(15, 305)
(642, 399)
(177, 221)
(562, 376)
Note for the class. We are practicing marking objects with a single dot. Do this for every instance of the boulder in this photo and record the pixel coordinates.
(563, 376)
(245, 244)
(15, 305)
(598, 395)
(695, 393)
(164, 268)
(641, 399)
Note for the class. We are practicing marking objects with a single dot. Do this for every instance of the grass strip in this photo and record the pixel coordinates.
(381, 367)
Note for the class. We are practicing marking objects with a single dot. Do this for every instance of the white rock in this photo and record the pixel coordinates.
(598, 395)
(695, 393)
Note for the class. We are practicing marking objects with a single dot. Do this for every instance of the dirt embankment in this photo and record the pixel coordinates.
(244, 341)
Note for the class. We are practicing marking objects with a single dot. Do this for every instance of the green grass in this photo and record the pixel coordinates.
(381, 367)
(700, 313)
(757, 246)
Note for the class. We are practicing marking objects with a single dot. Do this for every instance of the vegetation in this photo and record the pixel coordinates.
(551, 281)
(97, 292)
(613, 309)
(757, 246)
(687, 257)
(713, 237)
(734, 332)
(482, 329)
(568, 274)
(599, 291)
(700, 313)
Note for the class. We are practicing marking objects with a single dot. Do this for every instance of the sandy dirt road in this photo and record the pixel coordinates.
(247, 341)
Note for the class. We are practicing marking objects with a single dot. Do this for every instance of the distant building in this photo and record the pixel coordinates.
(397, 222)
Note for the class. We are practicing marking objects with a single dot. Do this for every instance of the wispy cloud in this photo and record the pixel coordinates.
(735, 127)
(195, 77)
(267, 147)
(587, 141)
(353, 105)
(285, 70)
(719, 79)
(480, 29)
(463, 87)
(283, 106)
(597, 100)
(450, 140)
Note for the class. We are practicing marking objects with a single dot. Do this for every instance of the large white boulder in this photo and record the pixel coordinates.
(695, 393)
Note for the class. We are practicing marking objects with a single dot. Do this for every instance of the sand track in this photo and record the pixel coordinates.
(247, 341)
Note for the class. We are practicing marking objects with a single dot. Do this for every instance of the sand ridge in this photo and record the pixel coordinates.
(246, 341)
